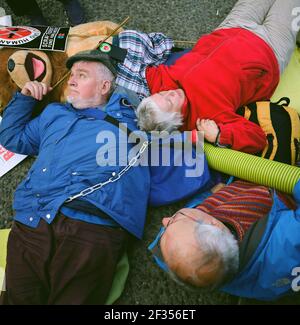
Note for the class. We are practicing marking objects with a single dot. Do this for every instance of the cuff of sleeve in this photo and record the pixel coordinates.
(25, 99)
(225, 136)
(18, 94)
(29, 102)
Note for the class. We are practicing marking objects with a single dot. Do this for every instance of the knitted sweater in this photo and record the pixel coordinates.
(240, 204)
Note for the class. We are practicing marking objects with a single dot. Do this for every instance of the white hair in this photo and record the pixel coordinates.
(104, 73)
(213, 244)
(222, 244)
(152, 118)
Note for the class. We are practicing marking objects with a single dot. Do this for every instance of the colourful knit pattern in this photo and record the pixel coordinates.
(239, 205)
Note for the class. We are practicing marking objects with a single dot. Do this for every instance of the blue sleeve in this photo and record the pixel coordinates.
(178, 169)
(18, 133)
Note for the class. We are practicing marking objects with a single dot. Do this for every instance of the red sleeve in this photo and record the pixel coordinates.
(216, 94)
(240, 133)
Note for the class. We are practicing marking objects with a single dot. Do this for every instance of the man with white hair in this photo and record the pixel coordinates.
(206, 246)
(81, 200)
(238, 63)
(45, 234)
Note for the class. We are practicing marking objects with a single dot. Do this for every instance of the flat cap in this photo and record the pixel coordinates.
(93, 56)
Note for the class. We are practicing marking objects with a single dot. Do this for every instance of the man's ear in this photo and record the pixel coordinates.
(105, 87)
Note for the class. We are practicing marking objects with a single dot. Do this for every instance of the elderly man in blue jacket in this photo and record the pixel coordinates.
(80, 201)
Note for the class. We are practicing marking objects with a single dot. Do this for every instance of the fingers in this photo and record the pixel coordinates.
(210, 129)
(200, 124)
(208, 122)
(205, 123)
(35, 89)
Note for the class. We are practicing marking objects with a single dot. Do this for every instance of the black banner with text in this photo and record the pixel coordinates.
(45, 38)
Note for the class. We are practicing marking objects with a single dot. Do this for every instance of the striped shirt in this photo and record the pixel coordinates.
(142, 50)
(240, 204)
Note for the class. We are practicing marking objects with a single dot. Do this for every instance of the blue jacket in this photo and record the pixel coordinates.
(274, 268)
(68, 144)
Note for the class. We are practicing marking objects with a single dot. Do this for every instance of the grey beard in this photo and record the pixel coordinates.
(80, 104)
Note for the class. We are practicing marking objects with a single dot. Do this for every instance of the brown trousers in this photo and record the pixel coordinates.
(66, 262)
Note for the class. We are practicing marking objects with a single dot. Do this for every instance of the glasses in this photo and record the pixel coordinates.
(173, 218)
(154, 247)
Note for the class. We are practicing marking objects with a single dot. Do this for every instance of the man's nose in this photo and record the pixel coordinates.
(72, 81)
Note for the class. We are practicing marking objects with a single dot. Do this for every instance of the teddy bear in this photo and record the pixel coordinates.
(17, 66)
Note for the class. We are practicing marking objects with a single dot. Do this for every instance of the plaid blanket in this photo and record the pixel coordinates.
(142, 50)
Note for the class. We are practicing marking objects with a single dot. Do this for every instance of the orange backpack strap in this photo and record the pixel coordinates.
(264, 120)
(247, 113)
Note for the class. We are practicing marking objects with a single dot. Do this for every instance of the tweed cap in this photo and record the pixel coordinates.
(93, 56)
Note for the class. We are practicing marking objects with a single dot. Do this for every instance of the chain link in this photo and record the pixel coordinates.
(112, 179)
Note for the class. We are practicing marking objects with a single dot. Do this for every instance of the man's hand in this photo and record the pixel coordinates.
(35, 89)
(210, 129)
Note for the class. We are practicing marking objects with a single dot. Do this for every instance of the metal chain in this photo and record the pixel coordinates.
(114, 178)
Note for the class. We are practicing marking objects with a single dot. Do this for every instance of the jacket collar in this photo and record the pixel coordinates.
(87, 112)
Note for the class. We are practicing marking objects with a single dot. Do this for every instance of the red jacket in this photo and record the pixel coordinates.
(225, 70)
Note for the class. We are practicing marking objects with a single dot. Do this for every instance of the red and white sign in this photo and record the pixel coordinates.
(17, 35)
(45, 38)
(8, 159)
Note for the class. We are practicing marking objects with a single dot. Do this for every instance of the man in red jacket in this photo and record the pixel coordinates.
(238, 63)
